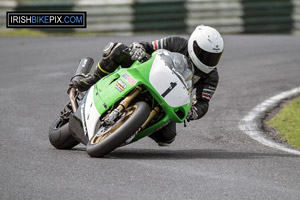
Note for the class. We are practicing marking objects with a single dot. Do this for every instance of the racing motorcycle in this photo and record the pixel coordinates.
(126, 105)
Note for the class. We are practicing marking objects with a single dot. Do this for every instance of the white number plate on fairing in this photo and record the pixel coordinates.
(167, 84)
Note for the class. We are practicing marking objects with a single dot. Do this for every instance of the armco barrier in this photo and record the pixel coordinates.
(5, 6)
(176, 16)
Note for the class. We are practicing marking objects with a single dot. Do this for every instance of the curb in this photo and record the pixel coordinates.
(251, 123)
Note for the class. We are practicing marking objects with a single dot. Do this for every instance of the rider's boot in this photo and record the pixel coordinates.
(113, 57)
(165, 136)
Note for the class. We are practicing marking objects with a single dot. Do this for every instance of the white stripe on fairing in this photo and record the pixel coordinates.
(91, 113)
(249, 124)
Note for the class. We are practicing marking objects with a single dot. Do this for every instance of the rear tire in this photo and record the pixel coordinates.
(136, 115)
(60, 136)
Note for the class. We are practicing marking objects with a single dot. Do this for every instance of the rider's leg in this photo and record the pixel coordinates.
(113, 57)
(165, 136)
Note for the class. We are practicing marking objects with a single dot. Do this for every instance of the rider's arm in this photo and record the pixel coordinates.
(205, 89)
(173, 44)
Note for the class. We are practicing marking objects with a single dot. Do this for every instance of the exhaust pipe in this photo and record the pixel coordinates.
(83, 69)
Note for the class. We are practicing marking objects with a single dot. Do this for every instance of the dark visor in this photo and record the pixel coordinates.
(207, 58)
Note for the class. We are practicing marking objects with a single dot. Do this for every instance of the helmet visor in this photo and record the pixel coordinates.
(207, 58)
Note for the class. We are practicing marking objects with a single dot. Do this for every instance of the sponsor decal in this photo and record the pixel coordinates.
(131, 137)
(120, 85)
(129, 79)
(217, 48)
(46, 19)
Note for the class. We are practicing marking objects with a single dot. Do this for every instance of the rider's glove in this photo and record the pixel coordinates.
(192, 114)
(137, 52)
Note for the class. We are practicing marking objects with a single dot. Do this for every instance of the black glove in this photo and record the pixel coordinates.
(137, 52)
(192, 114)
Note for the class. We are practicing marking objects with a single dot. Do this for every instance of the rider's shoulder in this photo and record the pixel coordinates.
(176, 38)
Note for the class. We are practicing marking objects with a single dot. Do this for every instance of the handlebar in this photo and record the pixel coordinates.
(83, 69)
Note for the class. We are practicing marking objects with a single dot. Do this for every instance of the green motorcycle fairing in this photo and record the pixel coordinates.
(114, 87)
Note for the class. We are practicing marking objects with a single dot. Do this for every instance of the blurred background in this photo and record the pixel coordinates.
(117, 17)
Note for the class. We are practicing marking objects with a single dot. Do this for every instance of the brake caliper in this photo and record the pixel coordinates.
(110, 120)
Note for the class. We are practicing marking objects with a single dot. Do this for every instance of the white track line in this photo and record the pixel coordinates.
(251, 123)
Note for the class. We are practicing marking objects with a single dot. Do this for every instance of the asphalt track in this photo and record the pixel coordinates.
(210, 159)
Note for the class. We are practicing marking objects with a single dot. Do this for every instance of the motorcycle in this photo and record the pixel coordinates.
(126, 105)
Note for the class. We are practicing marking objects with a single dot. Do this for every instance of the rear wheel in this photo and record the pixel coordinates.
(109, 138)
(60, 136)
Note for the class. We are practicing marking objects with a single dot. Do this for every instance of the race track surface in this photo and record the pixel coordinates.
(210, 159)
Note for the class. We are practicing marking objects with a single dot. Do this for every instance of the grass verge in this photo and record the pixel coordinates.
(38, 33)
(287, 123)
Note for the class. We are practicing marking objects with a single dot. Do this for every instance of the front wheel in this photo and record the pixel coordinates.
(106, 140)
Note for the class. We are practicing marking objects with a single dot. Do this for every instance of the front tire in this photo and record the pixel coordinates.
(136, 115)
(60, 136)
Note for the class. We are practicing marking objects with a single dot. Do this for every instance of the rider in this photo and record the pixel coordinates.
(204, 48)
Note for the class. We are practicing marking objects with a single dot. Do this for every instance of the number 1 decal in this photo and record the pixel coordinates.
(172, 86)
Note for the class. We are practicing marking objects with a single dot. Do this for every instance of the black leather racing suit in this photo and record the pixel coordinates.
(205, 84)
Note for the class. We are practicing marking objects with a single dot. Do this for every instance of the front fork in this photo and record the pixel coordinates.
(112, 116)
(125, 103)
(110, 119)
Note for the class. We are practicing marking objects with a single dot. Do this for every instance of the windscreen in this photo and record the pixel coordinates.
(180, 65)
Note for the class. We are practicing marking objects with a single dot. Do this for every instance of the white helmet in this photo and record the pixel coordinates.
(205, 48)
